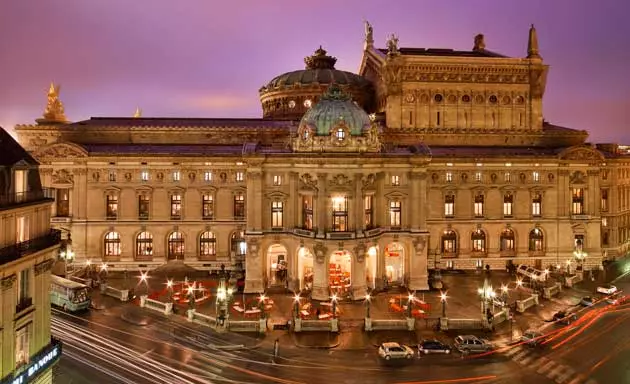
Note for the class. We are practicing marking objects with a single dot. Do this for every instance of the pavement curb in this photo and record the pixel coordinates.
(331, 346)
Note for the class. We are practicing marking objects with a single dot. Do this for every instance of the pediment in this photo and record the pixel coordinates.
(61, 151)
(581, 153)
(277, 195)
(395, 195)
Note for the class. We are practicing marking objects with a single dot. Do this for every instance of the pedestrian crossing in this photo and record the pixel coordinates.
(551, 369)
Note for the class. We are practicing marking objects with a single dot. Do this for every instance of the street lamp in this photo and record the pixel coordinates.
(296, 304)
(367, 305)
(261, 304)
(505, 295)
(443, 298)
(410, 299)
(104, 269)
(169, 287)
(568, 267)
(334, 305)
(519, 285)
(68, 257)
(143, 281)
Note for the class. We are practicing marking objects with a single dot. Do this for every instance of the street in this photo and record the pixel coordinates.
(126, 344)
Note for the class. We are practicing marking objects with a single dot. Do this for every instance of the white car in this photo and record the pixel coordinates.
(607, 289)
(390, 351)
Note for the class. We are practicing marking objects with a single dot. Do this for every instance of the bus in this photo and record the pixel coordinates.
(68, 295)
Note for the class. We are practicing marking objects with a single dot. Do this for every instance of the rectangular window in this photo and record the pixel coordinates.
(24, 298)
(21, 182)
(508, 203)
(577, 201)
(177, 176)
(449, 177)
(63, 202)
(239, 206)
(537, 205)
(176, 207)
(143, 207)
(478, 177)
(395, 213)
(112, 176)
(478, 208)
(340, 213)
(112, 206)
(536, 176)
(368, 216)
(22, 229)
(22, 346)
(507, 177)
(207, 203)
(144, 175)
(207, 176)
(277, 180)
(438, 119)
(395, 179)
(604, 200)
(604, 221)
(449, 205)
(240, 176)
(307, 212)
(276, 214)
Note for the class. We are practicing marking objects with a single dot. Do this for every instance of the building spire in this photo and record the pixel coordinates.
(137, 113)
(480, 43)
(369, 34)
(532, 44)
(54, 112)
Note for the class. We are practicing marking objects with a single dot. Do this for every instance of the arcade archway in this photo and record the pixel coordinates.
(305, 268)
(394, 254)
(277, 264)
(339, 273)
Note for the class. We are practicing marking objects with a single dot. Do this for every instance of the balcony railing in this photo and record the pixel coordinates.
(19, 198)
(24, 303)
(15, 251)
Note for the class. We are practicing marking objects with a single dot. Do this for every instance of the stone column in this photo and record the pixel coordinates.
(359, 286)
(320, 272)
(254, 201)
(418, 274)
(415, 202)
(358, 204)
(253, 267)
(378, 205)
(292, 213)
(321, 205)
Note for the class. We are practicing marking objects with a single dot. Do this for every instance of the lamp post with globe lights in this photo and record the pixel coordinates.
(296, 305)
(410, 300)
(143, 283)
(519, 286)
(261, 305)
(367, 305)
(334, 306)
(169, 290)
(443, 298)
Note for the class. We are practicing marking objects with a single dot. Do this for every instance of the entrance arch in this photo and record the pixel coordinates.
(277, 264)
(394, 263)
(305, 268)
(370, 267)
(339, 272)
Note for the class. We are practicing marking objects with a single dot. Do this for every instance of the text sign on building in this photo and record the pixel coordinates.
(37, 366)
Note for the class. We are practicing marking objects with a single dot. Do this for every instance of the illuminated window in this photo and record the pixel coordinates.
(478, 239)
(207, 244)
(340, 213)
(144, 175)
(449, 177)
(177, 175)
(238, 245)
(340, 134)
(22, 346)
(395, 179)
(63, 202)
(536, 240)
(307, 212)
(537, 204)
(144, 244)
(240, 176)
(395, 213)
(507, 240)
(176, 246)
(239, 206)
(449, 205)
(207, 203)
(577, 201)
(277, 180)
(478, 177)
(144, 204)
(176, 207)
(508, 204)
(604, 221)
(478, 205)
(112, 175)
(112, 206)
(536, 176)
(604, 200)
(507, 177)
(276, 214)
(449, 242)
(207, 176)
(111, 244)
(368, 215)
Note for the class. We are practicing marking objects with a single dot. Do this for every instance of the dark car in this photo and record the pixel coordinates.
(564, 318)
(433, 346)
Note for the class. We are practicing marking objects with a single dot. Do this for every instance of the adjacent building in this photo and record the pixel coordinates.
(28, 248)
(427, 158)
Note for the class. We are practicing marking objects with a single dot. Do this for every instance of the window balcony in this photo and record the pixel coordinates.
(580, 216)
(143, 216)
(15, 251)
(21, 198)
(304, 232)
(339, 235)
(23, 304)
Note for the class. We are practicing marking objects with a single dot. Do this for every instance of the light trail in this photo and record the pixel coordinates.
(460, 380)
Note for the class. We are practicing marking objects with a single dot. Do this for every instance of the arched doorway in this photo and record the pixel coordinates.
(339, 272)
(176, 246)
(394, 263)
(370, 267)
(305, 268)
(277, 265)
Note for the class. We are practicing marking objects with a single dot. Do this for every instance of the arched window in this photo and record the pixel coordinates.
(449, 242)
(536, 240)
(207, 244)
(478, 239)
(112, 244)
(176, 246)
(237, 243)
(507, 240)
(144, 245)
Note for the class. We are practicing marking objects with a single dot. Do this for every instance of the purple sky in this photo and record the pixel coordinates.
(208, 58)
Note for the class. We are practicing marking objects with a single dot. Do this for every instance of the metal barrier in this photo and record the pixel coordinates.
(120, 294)
(393, 324)
(501, 316)
(549, 292)
(523, 305)
(202, 319)
(165, 308)
(247, 325)
(314, 325)
(449, 324)
(570, 281)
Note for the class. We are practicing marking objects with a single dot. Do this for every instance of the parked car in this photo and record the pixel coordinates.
(587, 301)
(433, 346)
(391, 350)
(471, 343)
(532, 337)
(607, 289)
(564, 318)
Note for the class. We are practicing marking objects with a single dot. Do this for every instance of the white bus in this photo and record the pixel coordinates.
(69, 295)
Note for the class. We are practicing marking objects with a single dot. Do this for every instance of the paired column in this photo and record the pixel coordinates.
(418, 273)
(321, 205)
(320, 273)
(359, 283)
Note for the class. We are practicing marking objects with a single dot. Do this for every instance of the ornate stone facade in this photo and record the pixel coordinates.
(456, 169)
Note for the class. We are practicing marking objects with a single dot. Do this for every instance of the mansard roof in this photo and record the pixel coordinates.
(11, 152)
(443, 52)
(167, 122)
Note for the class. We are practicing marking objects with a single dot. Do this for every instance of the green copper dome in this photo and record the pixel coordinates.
(333, 108)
